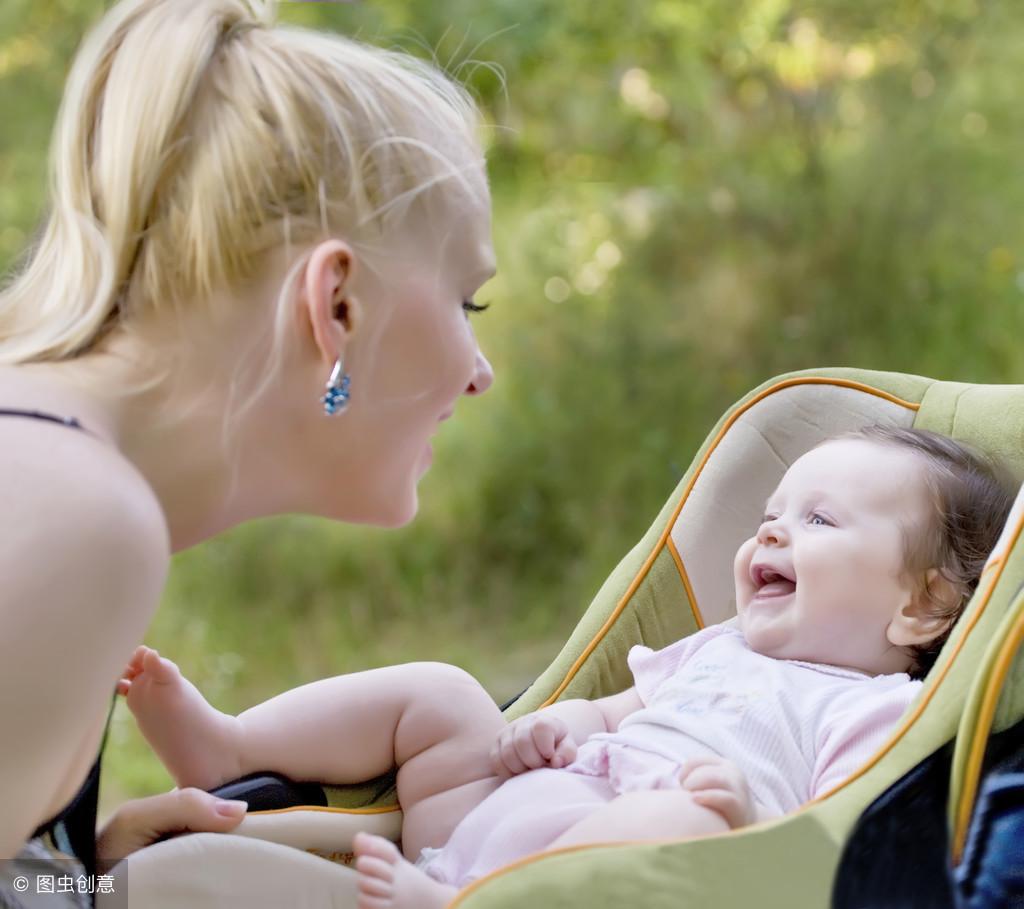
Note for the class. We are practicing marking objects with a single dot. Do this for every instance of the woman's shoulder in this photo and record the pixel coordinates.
(72, 497)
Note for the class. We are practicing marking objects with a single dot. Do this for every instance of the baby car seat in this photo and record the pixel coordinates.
(677, 579)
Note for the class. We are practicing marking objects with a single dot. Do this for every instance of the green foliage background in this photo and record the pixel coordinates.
(689, 198)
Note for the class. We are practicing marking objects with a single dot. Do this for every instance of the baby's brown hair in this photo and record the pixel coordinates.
(971, 497)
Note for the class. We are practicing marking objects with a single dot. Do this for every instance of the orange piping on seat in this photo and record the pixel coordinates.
(649, 561)
(694, 608)
(328, 809)
(986, 715)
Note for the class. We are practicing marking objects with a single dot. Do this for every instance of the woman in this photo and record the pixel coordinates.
(241, 215)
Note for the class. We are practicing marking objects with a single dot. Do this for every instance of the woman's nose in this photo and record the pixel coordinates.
(483, 375)
(772, 533)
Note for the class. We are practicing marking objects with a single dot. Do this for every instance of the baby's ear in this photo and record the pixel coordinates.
(928, 613)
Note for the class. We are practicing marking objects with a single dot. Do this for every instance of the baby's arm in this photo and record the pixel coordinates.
(548, 737)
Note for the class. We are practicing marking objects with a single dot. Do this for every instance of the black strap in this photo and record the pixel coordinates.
(39, 415)
(73, 831)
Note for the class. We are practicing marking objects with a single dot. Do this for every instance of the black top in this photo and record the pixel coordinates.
(73, 830)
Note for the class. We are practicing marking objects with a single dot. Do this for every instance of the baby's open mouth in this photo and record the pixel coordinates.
(771, 581)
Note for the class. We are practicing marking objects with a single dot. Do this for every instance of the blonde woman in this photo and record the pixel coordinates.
(250, 296)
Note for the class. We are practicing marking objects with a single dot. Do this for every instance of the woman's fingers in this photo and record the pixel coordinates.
(143, 821)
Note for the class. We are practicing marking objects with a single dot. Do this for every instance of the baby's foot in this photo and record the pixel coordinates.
(197, 744)
(388, 881)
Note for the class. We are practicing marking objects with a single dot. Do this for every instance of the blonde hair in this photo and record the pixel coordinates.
(194, 135)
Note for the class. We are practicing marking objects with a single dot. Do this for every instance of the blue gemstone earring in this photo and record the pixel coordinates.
(336, 398)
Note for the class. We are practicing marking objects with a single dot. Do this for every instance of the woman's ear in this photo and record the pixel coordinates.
(326, 303)
(928, 613)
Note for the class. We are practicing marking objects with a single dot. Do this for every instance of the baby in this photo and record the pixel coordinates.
(869, 549)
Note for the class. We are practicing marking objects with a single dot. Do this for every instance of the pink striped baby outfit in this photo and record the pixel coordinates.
(795, 729)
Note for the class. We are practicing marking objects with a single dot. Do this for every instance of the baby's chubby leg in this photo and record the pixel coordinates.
(645, 815)
(433, 721)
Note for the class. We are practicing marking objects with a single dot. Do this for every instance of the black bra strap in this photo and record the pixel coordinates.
(39, 415)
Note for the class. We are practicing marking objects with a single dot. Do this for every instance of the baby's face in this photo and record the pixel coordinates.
(824, 576)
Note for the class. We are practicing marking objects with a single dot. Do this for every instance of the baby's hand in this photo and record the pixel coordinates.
(720, 785)
(532, 741)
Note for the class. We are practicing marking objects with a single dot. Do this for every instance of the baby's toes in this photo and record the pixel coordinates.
(159, 669)
(369, 845)
(376, 858)
(376, 876)
(134, 666)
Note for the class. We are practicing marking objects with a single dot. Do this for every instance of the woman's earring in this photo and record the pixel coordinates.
(336, 398)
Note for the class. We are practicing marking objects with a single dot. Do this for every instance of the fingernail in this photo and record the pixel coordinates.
(231, 807)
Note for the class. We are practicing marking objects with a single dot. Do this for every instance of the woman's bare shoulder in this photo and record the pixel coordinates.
(71, 498)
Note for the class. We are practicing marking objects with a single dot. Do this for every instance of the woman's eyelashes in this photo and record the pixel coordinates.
(468, 306)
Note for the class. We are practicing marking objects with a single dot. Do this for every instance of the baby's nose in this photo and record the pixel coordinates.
(771, 533)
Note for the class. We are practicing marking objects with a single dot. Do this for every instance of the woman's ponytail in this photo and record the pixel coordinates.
(117, 134)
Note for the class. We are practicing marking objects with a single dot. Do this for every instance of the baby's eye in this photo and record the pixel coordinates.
(469, 306)
(768, 518)
(819, 520)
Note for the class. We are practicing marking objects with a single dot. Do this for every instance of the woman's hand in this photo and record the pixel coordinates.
(720, 785)
(532, 741)
(142, 822)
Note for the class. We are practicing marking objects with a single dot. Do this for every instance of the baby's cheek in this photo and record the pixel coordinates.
(741, 570)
